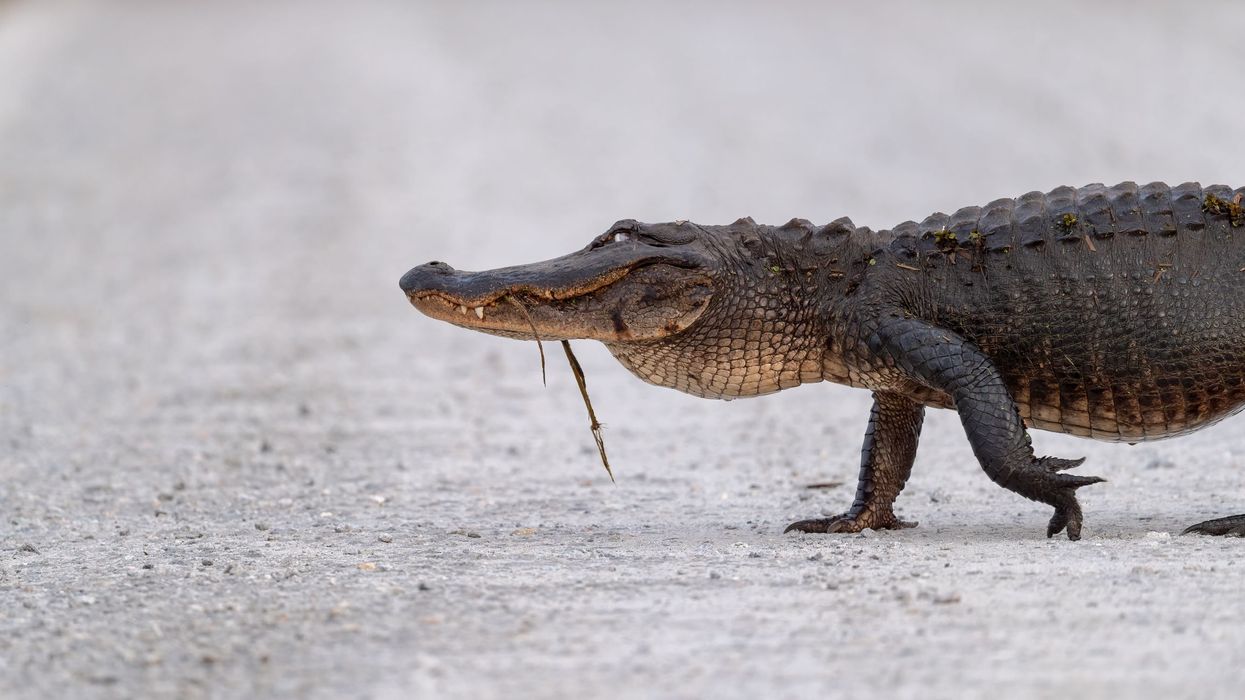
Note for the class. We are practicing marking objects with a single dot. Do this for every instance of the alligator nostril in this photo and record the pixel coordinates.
(438, 266)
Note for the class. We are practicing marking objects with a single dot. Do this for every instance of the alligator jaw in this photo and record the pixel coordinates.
(506, 315)
(624, 294)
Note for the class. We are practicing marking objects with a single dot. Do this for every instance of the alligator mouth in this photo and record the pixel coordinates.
(649, 298)
(495, 314)
(524, 292)
(510, 316)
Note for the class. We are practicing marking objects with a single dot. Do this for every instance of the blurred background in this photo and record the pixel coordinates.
(204, 212)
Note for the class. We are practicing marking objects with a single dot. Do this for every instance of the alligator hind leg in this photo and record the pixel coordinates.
(1231, 526)
(885, 463)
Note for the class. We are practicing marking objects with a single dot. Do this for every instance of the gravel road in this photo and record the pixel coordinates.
(235, 464)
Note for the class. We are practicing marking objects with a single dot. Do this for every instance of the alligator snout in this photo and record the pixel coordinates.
(575, 275)
(425, 277)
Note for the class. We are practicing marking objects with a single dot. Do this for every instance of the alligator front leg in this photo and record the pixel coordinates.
(885, 463)
(944, 361)
(1231, 526)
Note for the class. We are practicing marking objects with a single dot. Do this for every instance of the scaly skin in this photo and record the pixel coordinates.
(1109, 313)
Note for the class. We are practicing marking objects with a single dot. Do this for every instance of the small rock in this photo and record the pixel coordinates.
(424, 587)
(385, 538)
(206, 562)
(29, 548)
(714, 575)
(366, 566)
(262, 526)
(149, 566)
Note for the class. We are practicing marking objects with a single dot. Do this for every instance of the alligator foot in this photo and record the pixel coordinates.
(848, 522)
(1231, 526)
(1059, 490)
(885, 462)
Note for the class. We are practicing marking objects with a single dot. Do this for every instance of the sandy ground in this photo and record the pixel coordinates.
(234, 463)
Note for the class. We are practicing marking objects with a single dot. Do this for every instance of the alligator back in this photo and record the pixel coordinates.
(1116, 313)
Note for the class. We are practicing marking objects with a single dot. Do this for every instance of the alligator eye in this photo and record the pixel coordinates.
(620, 237)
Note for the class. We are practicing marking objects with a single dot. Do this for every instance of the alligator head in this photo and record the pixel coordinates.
(716, 311)
(633, 283)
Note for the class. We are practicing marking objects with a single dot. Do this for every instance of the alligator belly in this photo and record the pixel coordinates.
(1125, 412)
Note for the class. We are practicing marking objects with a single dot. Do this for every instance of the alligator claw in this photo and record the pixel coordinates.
(1056, 464)
(1066, 517)
(1067, 509)
(847, 523)
(1231, 526)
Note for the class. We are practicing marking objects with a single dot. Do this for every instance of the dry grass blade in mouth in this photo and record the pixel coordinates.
(539, 345)
(592, 416)
(578, 371)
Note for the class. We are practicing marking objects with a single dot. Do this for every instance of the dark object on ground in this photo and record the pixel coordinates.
(1111, 313)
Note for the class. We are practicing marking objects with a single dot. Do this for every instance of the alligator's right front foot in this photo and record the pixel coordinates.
(1232, 526)
(1047, 484)
(848, 522)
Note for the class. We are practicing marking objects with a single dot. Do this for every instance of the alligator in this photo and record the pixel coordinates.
(1112, 313)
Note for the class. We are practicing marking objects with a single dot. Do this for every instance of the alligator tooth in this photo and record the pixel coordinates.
(480, 312)
(462, 309)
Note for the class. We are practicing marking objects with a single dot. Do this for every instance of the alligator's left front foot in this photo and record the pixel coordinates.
(848, 522)
(885, 462)
(1231, 526)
